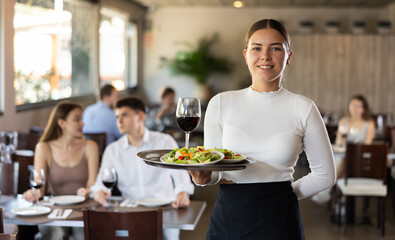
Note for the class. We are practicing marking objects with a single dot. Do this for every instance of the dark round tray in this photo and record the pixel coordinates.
(152, 157)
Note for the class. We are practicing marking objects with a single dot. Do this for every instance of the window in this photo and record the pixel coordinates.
(118, 50)
(54, 49)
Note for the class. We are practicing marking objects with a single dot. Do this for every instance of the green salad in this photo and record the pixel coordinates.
(196, 155)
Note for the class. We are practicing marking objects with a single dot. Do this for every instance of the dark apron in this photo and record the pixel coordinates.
(258, 211)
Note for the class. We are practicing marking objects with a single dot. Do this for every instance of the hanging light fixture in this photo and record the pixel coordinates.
(238, 4)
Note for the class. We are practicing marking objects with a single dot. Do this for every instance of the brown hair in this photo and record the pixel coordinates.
(166, 91)
(133, 103)
(366, 111)
(106, 90)
(61, 111)
(267, 24)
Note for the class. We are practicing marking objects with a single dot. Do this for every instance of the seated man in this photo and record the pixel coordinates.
(100, 116)
(137, 180)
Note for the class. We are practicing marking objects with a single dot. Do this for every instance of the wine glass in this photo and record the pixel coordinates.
(188, 116)
(109, 179)
(354, 132)
(37, 180)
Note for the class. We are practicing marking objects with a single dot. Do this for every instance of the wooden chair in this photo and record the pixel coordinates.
(23, 173)
(28, 141)
(12, 236)
(332, 130)
(103, 225)
(1, 221)
(7, 178)
(365, 176)
(100, 139)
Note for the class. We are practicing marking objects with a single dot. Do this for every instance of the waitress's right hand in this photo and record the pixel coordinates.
(30, 195)
(200, 177)
(101, 197)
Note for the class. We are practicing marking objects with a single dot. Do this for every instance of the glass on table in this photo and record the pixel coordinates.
(188, 115)
(109, 180)
(37, 181)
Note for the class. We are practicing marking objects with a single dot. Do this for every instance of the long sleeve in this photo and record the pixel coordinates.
(320, 156)
(106, 163)
(212, 126)
(272, 129)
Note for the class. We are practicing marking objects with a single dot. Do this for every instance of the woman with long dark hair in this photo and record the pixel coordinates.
(69, 161)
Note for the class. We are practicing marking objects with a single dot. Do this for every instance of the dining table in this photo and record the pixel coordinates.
(180, 218)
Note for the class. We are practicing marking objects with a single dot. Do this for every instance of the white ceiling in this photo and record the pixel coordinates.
(266, 3)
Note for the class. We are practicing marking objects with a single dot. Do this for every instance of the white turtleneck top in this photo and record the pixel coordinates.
(272, 128)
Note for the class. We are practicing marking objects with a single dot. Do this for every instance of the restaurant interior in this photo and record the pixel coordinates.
(56, 50)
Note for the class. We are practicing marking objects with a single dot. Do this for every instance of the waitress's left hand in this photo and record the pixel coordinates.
(181, 201)
(84, 192)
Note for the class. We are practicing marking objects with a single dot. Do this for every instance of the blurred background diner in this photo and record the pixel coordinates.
(56, 50)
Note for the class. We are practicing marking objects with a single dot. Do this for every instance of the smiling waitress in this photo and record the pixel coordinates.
(267, 123)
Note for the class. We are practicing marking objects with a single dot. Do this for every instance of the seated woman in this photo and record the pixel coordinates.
(162, 118)
(69, 161)
(357, 127)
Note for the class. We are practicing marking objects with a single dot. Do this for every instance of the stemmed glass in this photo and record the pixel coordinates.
(354, 134)
(109, 179)
(188, 115)
(37, 181)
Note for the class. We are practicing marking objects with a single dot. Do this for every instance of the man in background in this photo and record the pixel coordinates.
(100, 116)
(136, 179)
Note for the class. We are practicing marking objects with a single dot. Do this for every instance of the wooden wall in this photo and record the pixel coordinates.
(331, 68)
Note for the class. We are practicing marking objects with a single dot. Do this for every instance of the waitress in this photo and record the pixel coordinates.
(267, 123)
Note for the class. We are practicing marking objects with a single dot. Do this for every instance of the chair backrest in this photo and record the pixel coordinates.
(100, 139)
(23, 172)
(392, 134)
(332, 130)
(37, 129)
(124, 225)
(28, 141)
(366, 161)
(1, 221)
(7, 178)
(12, 236)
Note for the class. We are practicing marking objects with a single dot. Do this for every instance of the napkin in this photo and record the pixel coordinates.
(129, 203)
(54, 214)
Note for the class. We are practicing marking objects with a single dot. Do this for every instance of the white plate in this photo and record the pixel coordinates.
(67, 199)
(234, 160)
(163, 159)
(153, 202)
(27, 153)
(31, 211)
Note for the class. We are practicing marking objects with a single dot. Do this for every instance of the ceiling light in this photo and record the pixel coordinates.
(238, 4)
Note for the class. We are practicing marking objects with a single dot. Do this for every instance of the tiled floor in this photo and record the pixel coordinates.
(316, 219)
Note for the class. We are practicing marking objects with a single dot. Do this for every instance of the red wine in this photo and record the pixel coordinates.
(188, 124)
(109, 184)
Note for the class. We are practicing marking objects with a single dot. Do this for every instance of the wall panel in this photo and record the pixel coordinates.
(331, 68)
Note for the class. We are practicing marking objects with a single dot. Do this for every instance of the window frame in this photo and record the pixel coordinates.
(84, 97)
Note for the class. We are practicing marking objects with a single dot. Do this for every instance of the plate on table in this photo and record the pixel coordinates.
(153, 202)
(27, 153)
(31, 211)
(152, 157)
(234, 160)
(164, 156)
(67, 199)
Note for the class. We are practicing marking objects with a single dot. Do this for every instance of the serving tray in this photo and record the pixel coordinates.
(152, 157)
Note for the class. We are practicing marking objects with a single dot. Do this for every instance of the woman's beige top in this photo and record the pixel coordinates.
(67, 180)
